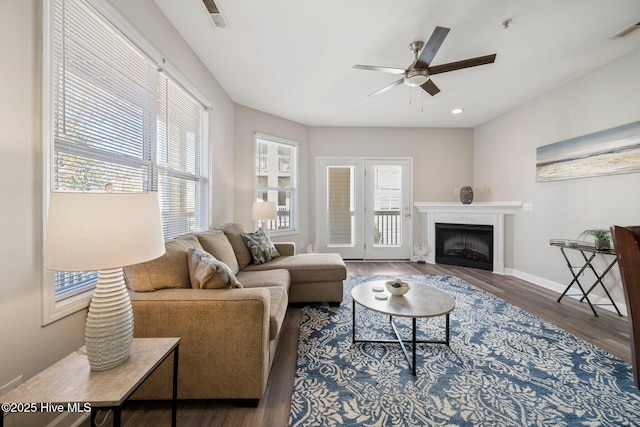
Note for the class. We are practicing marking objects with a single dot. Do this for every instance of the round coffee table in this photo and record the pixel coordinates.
(421, 301)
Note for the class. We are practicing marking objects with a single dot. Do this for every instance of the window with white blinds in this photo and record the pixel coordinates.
(117, 118)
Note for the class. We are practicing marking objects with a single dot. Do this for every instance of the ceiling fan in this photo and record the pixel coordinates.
(420, 71)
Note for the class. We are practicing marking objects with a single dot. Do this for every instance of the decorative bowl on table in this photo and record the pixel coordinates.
(397, 287)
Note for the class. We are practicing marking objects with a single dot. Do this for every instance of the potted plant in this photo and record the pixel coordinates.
(602, 237)
(377, 234)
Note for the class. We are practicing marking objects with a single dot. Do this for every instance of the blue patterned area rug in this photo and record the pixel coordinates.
(504, 367)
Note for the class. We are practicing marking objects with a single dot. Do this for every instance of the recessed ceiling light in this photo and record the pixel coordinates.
(457, 110)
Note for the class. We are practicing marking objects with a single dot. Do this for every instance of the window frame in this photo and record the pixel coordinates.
(54, 307)
(295, 146)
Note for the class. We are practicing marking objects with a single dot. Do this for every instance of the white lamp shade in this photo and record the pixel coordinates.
(102, 230)
(262, 211)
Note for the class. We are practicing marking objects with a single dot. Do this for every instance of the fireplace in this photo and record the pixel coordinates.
(465, 245)
(477, 213)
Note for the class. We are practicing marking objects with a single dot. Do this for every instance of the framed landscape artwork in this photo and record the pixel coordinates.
(608, 152)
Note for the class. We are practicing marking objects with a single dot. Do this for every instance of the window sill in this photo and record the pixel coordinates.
(53, 310)
(283, 233)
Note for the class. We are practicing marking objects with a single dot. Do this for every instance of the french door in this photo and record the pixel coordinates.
(364, 207)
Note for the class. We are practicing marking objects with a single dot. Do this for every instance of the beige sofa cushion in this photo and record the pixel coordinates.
(285, 248)
(206, 272)
(234, 232)
(266, 278)
(304, 268)
(171, 270)
(217, 244)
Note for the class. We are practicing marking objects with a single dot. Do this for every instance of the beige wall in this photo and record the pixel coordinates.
(505, 155)
(27, 347)
(442, 158)
(247, 122)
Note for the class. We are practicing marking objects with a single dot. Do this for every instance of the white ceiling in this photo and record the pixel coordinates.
(294, 58)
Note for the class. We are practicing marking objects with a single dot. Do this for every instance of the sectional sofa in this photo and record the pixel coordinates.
(228, 335)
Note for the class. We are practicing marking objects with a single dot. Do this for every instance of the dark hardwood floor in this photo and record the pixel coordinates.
(608, 331)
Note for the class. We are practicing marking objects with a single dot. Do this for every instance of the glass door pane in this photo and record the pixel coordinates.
(340, 218)
(387, 205)
(387, 216)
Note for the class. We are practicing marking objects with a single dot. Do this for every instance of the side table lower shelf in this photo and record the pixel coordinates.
(71, 384)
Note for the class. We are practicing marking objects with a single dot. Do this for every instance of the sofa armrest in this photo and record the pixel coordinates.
(285, 248)
(224, 346)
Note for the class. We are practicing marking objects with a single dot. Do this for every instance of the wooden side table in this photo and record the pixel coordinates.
(71, 385)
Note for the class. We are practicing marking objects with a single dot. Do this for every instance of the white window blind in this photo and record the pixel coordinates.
(340, 199)
(179, 177)
(118, 119)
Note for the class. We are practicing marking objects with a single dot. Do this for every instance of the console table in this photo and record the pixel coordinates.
(592, 251)
(71, 386)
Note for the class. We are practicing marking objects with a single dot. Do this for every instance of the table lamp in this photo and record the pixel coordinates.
(104, 231)
(263, 211)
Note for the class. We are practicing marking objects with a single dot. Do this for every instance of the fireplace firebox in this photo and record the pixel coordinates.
(465, 245)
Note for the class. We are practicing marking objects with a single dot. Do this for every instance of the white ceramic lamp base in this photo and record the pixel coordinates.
(109, 329)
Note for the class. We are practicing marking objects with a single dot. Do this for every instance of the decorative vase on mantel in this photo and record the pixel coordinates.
(466, 195)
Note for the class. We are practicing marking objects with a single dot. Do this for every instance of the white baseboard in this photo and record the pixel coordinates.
(559, 288)
(556, 287)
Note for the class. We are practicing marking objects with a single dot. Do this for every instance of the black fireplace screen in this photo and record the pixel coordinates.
(466, 245)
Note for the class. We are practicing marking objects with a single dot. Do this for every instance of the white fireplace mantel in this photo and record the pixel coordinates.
(481, 213)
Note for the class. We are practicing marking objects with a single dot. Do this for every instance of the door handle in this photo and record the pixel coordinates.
(407, 215)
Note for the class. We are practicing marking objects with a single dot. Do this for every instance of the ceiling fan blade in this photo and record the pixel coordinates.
(467, 63)
(430, 87)
(390, 70)
(432, 46)
(388, 87)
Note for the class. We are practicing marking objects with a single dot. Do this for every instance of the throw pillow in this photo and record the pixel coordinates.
(260, 246)
(206, 272)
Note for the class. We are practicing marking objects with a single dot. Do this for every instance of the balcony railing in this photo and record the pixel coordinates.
(386, 228)
(282, 221)
(386, 225)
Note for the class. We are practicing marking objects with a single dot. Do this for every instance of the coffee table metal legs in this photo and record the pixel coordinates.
(411, 360)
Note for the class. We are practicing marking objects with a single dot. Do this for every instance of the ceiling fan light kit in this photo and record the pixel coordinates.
(420, 71)
(415, 78)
